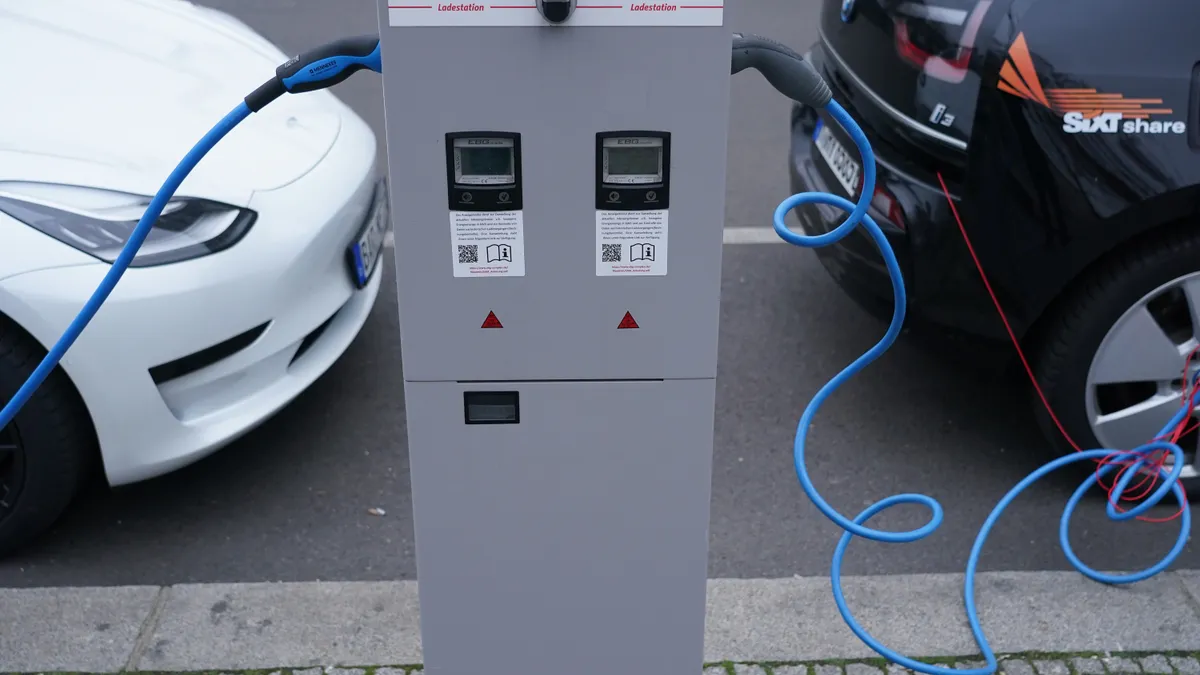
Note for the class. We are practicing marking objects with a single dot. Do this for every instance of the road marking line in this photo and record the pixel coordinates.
(732, 235)
(751, 235)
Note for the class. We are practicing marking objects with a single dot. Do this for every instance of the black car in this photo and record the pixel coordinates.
(1066, 133)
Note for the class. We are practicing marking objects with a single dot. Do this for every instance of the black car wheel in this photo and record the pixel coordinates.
(44, 452)
(1112, 358)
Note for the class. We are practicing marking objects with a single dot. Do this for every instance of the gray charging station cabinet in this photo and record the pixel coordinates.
(558, 193)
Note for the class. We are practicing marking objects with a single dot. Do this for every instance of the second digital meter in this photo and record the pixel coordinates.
(633, 170)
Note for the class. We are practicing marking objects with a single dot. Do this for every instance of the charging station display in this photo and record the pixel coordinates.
(632, 201)
(484, 161)
(484, 197)
(632, 161)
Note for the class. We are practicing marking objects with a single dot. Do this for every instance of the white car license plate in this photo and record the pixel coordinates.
(367, 248)
(845, 167)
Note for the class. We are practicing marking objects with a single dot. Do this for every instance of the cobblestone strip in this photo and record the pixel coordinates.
(1167, 663)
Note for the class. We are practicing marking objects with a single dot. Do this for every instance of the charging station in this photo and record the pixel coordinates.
(558, 265)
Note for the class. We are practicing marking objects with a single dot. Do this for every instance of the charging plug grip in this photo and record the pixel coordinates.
(319, 68)
(330, 64)
(782, 67)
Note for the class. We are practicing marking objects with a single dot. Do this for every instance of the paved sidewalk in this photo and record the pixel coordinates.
(274, 627)
(1030, 663)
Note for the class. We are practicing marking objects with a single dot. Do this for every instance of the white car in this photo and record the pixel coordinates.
(244, 294)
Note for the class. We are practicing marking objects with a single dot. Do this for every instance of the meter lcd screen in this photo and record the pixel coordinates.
(484, 161)
(633, 161)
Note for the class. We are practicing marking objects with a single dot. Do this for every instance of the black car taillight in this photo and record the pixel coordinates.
(885, 203)
(938, 40)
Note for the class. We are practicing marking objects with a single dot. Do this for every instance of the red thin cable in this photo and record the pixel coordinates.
(1153, 464)
(1186, 425)
(1151, 473)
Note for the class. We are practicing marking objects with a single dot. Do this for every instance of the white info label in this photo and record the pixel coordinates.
(631, 243)
(488, 244)
(524, 13)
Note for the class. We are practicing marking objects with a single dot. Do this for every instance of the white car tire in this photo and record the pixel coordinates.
(46, 451)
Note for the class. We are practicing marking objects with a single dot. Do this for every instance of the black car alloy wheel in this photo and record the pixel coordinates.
(1136, 380)
(1113, 360)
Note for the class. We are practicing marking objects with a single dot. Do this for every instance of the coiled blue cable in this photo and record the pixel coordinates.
(857, 527)
(109, 282)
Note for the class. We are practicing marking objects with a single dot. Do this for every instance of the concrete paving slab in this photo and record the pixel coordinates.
(1191, 585)
(227, 627)
(241, 626)
(769, 620)
(71, 629)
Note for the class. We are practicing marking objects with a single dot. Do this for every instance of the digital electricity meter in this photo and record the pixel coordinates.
(483, 171)
(633, 170)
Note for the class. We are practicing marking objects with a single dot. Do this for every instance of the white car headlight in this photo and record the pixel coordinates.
(99, 222)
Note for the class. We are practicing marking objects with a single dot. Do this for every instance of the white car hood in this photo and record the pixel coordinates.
(113, 93)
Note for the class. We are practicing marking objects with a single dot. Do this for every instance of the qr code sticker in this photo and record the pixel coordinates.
(610, 253)
(468, 254)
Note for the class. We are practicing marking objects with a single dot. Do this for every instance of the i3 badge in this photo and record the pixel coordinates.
(847, 10)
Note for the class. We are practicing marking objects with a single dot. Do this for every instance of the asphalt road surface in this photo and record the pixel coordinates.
(290, 502)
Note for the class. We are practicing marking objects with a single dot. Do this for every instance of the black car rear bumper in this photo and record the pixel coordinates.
(942, 285)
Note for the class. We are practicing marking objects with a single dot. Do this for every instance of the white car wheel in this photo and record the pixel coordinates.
(45, 451)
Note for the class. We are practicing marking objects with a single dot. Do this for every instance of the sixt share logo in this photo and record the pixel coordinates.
(1084, 111)
(848, 10)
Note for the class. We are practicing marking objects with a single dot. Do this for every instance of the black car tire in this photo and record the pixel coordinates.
(1082, 318)
(55, 441)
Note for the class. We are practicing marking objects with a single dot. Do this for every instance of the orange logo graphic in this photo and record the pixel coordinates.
(1017, 77)
(1083, 110)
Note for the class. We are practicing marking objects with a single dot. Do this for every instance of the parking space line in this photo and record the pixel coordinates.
(751, 235)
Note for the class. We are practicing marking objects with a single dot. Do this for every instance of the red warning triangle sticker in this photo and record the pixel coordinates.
(491, 321)
(628, 322)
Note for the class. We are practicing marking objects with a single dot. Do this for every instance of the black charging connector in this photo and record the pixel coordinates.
(556, 11)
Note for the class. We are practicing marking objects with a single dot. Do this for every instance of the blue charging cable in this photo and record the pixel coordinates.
(153, 211)
(319, 68)
(857, 527)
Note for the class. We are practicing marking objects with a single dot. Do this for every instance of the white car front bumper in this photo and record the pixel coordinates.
(185, 358)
